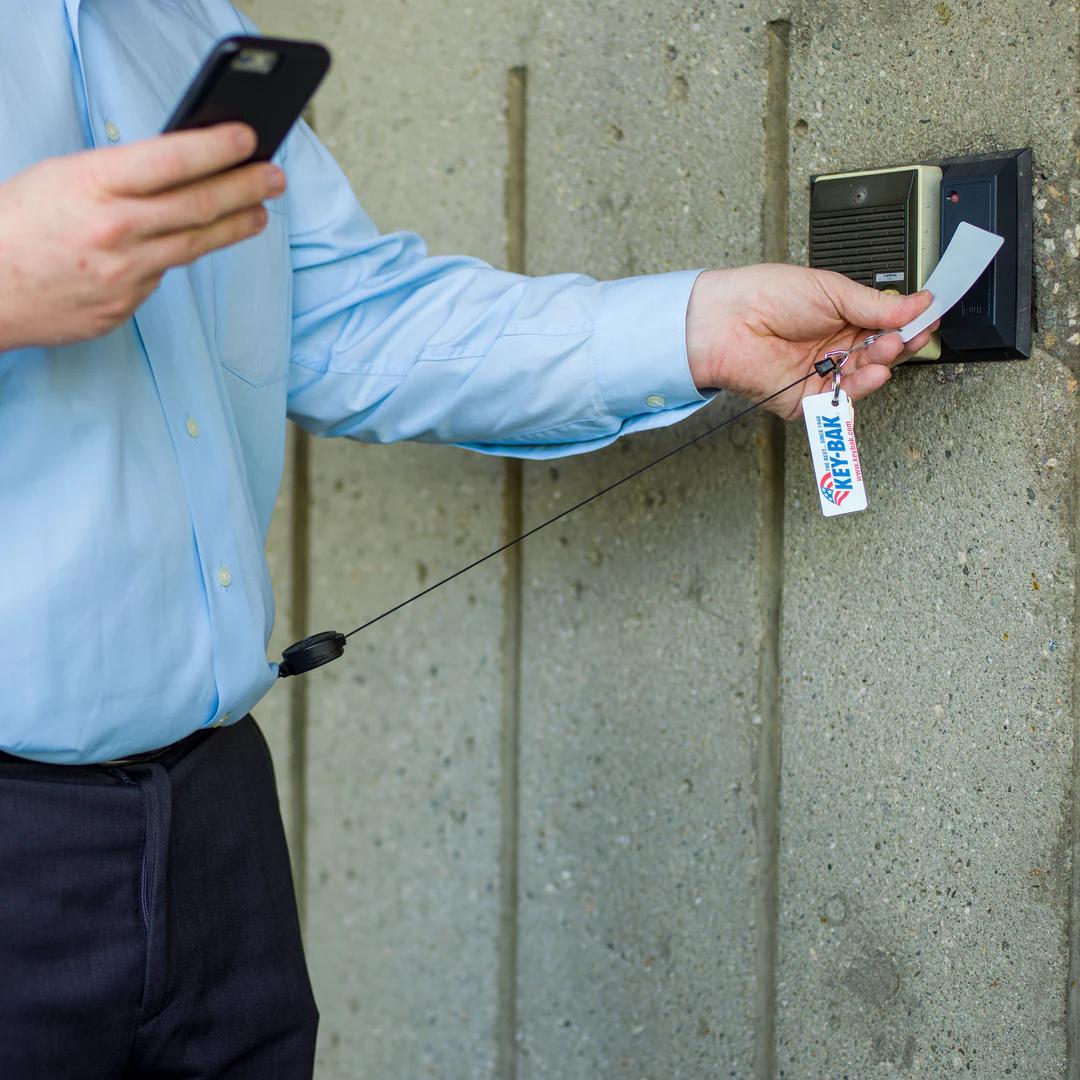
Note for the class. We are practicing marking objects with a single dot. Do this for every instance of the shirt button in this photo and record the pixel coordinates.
(192, 427)
(112, 131)
(223, 719)
(656, 401)
(224, 576)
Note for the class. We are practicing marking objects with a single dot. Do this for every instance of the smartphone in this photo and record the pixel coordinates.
(265, 82)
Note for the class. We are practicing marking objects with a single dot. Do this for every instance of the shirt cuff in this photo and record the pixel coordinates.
(640, 344)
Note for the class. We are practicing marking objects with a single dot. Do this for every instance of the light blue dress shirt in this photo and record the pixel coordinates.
(138, 471)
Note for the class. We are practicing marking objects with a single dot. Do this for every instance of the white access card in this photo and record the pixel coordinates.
(831, 430)
(969, 253)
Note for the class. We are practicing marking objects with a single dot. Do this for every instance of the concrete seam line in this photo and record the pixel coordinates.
(299, 617)
(774, 232)
(513, 511)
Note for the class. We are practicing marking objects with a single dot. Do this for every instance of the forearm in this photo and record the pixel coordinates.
(470, 355)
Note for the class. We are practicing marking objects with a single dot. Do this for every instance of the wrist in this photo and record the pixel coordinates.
(9, 335)
(706, 330)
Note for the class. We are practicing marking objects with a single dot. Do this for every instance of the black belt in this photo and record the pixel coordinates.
(176, 749)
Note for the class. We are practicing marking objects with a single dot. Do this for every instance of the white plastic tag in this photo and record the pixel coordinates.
(969, 253)
(831, 430)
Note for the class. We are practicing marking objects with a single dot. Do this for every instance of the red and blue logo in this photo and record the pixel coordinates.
(836, 484)
(828, 489)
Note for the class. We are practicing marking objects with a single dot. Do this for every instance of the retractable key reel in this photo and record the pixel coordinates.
(968, 255)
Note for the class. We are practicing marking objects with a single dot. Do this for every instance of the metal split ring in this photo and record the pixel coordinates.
(839, 357)
(867, 342)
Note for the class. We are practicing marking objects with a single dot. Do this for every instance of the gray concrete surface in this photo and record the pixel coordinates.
(925, 860)
(927, 657)
(402, 785)
(928, 644)
(641, 614)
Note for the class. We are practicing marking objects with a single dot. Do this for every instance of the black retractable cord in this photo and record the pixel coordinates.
(321, 648)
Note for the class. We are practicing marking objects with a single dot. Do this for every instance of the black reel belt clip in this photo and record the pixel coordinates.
(311, 653)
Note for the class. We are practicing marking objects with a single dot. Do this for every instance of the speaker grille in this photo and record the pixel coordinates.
(860, 243)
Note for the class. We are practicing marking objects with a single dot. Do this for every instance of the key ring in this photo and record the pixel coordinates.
(839, 357)
(867, 342)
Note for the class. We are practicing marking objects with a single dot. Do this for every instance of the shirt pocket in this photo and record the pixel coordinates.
(252, 284)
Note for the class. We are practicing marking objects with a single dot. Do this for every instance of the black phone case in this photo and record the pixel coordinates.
(271, 103)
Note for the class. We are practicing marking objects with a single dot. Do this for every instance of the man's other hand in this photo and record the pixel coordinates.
(85, 238)
(755, 329)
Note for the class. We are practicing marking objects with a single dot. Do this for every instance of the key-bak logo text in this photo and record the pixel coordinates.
(836, 483)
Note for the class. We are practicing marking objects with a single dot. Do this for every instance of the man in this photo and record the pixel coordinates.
(161, 313)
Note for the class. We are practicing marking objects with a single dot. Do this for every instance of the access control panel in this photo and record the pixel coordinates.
(881, 228)
(887, 227)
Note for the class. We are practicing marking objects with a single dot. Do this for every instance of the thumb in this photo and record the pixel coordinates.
(876, 310)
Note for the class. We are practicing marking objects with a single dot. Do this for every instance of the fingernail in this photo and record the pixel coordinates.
(244, 138)
(275, 179)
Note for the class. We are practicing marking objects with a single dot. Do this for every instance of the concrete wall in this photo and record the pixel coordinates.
(697, 784)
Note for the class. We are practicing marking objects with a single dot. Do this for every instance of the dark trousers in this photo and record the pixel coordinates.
(148, 925)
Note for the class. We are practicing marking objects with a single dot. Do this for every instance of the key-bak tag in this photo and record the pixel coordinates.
(831, 430)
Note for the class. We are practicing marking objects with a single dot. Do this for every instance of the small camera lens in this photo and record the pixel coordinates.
(255, 61)
(858, 196)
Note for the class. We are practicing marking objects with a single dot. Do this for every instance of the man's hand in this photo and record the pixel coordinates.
(85, 239)
(755, 329)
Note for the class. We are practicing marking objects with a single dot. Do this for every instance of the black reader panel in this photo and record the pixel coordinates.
(994, 319)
